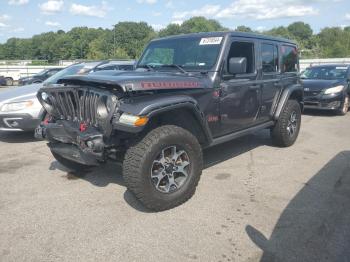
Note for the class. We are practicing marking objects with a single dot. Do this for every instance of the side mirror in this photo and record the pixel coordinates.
(237, 65)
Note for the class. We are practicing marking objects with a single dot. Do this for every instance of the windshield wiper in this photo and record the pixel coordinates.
(151, 68)
(176, 66)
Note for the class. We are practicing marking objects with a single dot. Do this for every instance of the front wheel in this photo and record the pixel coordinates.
(345, 106)
(286, 130)
(163, 169)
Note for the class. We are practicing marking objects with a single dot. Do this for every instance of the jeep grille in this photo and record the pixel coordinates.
(74, 104)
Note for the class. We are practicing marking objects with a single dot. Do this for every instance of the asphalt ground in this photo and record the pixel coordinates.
(255, 202)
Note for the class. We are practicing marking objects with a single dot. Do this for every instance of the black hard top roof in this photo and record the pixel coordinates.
(231, 33)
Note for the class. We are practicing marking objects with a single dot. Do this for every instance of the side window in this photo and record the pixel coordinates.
(243, 49)
(269, 56)
(289, 58)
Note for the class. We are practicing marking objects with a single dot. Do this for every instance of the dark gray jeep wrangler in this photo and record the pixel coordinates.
(188, 92)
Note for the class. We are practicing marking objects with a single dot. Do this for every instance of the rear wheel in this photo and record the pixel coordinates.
(286, 130)
(345, 106)
(74, 166)
(163, 169)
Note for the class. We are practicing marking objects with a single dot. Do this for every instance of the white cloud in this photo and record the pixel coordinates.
(206, 10)
(156, 13)
(2, 25)
(18, 2)
(177, 22)
(170, 5)
(150, 2)
(90, 10)
(18, 29)
(267, 9)
(4, 18)
(53, 24)
(51, 7)
(347, 16)
(158, 27)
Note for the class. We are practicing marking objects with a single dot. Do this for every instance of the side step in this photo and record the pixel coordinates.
(226, 138)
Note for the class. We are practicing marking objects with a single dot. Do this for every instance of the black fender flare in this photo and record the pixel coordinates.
(151, 107)
(286, 94)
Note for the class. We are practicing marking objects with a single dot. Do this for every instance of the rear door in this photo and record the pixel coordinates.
(240, 95)
(270, 74)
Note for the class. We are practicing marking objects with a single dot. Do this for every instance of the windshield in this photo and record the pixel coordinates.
(191, 54)
(71, 70)
(41, 73)
(325, 73)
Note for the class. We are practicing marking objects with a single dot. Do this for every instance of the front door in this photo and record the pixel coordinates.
(240, 95)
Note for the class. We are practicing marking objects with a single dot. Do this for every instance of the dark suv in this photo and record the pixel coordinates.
(188, 92)
(39, 77)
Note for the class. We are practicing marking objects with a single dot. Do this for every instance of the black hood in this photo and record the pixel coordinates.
(141, 80)
(320, 84)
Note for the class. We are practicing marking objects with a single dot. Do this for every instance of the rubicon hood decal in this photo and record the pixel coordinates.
(170, 84)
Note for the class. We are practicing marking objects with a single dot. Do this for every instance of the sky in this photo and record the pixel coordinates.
(25, 18)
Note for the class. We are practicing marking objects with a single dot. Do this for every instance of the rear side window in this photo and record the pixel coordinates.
(269, 56)
(289, 58)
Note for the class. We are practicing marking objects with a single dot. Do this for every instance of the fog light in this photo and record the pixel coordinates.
(14, 123)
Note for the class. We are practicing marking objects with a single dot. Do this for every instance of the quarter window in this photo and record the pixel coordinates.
(289, 58)
(269, 54)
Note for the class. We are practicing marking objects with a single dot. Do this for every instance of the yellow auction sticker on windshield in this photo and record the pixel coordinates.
(211, 41)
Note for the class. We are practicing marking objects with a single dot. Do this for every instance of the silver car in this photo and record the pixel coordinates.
(20, 109)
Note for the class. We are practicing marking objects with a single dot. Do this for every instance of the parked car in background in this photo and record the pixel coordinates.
(327, 87)
(20, 109)
(39, 77)
(3, 81)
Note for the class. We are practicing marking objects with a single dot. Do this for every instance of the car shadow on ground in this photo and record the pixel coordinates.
(17, 137)
(315, 224)
(112, 172)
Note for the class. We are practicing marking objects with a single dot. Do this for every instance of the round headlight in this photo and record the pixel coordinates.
(44, 96)
(102, 110)
(110, 104)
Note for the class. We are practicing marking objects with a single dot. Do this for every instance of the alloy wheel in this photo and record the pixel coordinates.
(292, 124)
(170, 169)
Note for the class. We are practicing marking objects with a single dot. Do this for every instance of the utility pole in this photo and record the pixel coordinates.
(114, 40)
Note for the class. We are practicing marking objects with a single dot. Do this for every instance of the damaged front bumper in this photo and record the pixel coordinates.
(65, 139)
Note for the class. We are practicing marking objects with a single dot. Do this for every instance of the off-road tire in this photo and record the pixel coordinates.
(138, 163)
(71, 165)
(279, 133)
(344, 106)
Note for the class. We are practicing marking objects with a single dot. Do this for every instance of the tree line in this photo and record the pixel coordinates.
(127, 40)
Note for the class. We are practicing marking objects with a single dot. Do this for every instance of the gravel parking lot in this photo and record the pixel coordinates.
(255, 202)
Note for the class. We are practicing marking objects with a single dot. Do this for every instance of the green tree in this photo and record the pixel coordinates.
(201, 24)
(132, 37)
(300, 31)
(171, 29)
